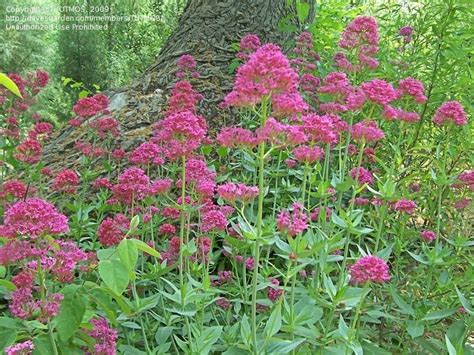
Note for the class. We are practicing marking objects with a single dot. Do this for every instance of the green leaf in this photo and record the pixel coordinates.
(441, 314)
(71, 312)
(455, 333)
(279, 346)
(338, 221)
(7, 337)
(464, 302)
(274, 322)
(10, 85)
(83, 94)
(245, 331)
(415, 328)
(405, 308)
(145, 248)
(302, 9)
(449, 346)
(207, 338)
(8, 285)
(134, 222)
(128, 253)
(11, 323)
(163, 334)
(114, 274)
(343, 328)
(42, 345)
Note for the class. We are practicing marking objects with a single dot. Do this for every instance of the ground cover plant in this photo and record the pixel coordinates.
(335, 218)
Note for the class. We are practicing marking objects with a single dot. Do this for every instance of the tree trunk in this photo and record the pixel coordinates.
(206, 30)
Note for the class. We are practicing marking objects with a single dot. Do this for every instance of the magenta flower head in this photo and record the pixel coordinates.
(267, 72)
(233, 192)
(450, 111)
(361, 31)
(248, 44)
(104, 336)
(180, 134)
(23, 348)
(306, 154)
(406, 31)
(369, 269)
(367, 131)
(66, 181)
(405, 206)
(379, 91)
(293, 222)
(428, 236)
(33, 218)
(362, 175)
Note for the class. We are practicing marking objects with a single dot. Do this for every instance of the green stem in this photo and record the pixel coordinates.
(43, 290)
(380, 227)
(355, 320)
(256, 251)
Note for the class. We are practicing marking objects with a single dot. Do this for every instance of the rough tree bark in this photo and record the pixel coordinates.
(206, 30)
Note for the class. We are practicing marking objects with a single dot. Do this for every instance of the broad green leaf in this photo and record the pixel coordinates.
(405, 308)
(279, 346)
(441, 314)
(208, 337)
(274, 322)
(114, 274)
(145, 248)
(8, 285)
(7, 337)
(9, 84)
(464, 302)
(415, 328)
(128, 253)
(71, 312)
(450, 347)
(343, 328)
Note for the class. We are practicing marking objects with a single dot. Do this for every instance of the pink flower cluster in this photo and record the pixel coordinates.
(105, 127)
(369, 269)
(361, 36)
(379, 91)
(292, 222)
(23, 348)
(267, 72)
(405, 206)
(146, 154)
(33, 218)
(105, 337)
(428, 236)
(232, 192)
(15, 189)
(66, 181)
(112, 230)
(29, 151)
(308, 155)
(450, 112)
(235, 137)
(362, 175)
(90, 106)
(273, 291)
(280, 134)
(306, 56)
(406, 32)
(366, 131)
(133, 184)
(180, 134)
(248, 44)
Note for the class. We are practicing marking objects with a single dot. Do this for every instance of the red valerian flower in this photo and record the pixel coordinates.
(369, 268)
(33, 218)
